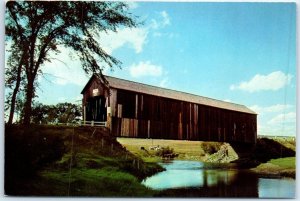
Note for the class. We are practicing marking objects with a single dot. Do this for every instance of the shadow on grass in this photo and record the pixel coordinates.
(265, 149)
(39, 160)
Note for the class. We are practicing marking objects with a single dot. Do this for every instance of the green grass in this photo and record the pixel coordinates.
(93, 166)
(288, 162)
(285, 167)
(108, 181)
(287, 142)
(186, 150)
(104, 176)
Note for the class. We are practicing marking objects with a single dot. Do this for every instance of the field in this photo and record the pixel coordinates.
(188, 150)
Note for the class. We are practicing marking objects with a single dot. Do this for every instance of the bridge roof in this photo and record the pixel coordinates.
(173, 94)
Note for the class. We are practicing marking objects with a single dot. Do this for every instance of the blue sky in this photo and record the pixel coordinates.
(238, 52)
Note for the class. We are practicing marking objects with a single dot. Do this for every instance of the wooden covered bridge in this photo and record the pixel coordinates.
(132, 109)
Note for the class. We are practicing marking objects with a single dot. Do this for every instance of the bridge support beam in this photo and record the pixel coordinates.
(109, 119)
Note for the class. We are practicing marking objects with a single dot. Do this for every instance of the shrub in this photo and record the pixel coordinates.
(211, 147)
(165, 152)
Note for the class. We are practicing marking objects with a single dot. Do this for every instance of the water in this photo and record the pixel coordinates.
(192, 178)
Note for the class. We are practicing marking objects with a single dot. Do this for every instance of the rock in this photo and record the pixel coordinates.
(223, 155)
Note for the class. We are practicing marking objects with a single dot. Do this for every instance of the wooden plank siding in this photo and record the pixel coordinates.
(148, 116)
(143, 115)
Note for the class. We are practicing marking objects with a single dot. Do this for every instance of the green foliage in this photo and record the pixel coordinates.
(37, 29)
(166, 152)
(211, 147)
(59, 113)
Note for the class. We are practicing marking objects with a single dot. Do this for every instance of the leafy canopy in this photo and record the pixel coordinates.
(35, 29)
(44, 25)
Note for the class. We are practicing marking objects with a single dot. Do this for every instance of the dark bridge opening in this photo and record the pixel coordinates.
(95, 109)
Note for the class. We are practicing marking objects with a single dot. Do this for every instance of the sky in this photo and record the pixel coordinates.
(243, 53)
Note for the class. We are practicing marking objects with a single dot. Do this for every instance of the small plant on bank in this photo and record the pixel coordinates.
(166, 152)
(211, 147)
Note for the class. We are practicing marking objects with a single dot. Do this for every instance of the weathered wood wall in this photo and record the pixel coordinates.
(147, 116)
(90, 93)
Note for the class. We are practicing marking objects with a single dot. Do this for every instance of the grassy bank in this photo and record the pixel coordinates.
(282, 167)
(67, 161)
(273, 157)
(62, 161)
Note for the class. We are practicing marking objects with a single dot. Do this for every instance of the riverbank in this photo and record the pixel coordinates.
(259, 159)
(281, 167)
(66, 161)
(199, 179)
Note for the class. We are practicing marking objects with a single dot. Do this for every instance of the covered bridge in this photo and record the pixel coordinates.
(132, 109)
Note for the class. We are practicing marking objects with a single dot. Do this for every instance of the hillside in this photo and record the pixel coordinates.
(67, 161)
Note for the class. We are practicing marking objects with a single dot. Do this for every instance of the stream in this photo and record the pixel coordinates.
(197, 179)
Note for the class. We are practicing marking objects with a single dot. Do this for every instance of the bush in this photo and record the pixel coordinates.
(211, 147)
(165, 152)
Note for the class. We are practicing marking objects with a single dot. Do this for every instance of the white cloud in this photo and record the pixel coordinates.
(165, 34)
(278, 119)
(164, 82)
(136, 38)
(157, 34)
(272, 108)
(145, 69)
(278, 130)
(70, 70)
(165, 18)
(132, 4)
(162, 21)
(64, 70)
(62, 99)
(273, 81)
(283, 119)
(78, 99)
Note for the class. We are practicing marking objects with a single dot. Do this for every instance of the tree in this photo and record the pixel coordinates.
(41, 27)
(61, 112)
(13, 79)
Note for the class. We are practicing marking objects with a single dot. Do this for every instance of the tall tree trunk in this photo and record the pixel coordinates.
(27, 106)
(30, 74)
(14, 95)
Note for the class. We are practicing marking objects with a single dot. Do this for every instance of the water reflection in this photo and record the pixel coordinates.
(276, 188)
(192, 178)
